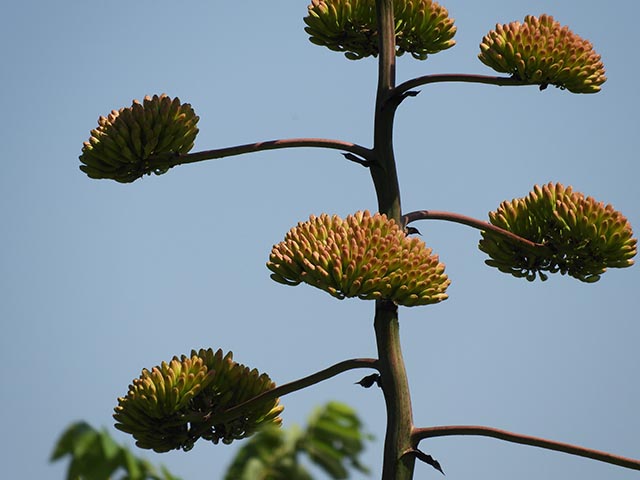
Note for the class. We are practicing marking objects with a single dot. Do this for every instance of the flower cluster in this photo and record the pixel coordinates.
(140, 139)
(363, 256)
(423, 27)
(541, 51)
(173, 405)
(578, 235)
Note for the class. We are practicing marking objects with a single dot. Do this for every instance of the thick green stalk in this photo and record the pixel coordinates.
(383, 170)
(393, 378)
(395, 385)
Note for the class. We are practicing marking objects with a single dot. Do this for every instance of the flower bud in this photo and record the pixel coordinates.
(175, 404)
(541, 51)
(139, 140)
(363, 256)
(578, 235)
(423, 27)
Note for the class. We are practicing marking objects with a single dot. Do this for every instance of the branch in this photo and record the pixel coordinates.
(422, 433)
(270, 145)
(469, 221)
(296, 385)
(456, 77)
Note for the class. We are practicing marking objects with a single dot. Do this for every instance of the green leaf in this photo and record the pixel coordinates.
(334, 440)
(166, 474)
(270, 454)
(96, 456)
(67, 441)
(327, 457)
(89, 460)
(110, 449)
(131, 464)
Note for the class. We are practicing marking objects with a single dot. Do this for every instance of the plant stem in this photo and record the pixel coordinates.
(293, 386)
(383, 170)
(469, 221)
(395, 385)
(182, 159)
(431, 432)
(393, 375)
(456, 77)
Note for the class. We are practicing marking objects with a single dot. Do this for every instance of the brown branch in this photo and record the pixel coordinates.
(432, 432)
(294, 386)
(456, 77)
(270, 145)
(469, 221)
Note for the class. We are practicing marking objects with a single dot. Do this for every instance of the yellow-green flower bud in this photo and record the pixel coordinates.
(423, 27)
(540, 51)
(579, 236)
(363, 256)
(173, 405)
(140, 139)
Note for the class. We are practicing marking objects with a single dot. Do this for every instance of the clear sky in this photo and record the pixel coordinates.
(101, 279)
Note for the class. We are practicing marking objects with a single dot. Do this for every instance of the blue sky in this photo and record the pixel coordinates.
(102, 279)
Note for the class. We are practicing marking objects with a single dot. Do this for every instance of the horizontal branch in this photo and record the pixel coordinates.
(456, 77)
(432, 432)
(469, 221)
(353, 148)
(294, 386)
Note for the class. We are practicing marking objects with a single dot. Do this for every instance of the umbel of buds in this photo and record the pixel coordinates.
(140, 139)
(540, 51)
(363, 256)
(422, 27)
(579, 236)
(173, 405)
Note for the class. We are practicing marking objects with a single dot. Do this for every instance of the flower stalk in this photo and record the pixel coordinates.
(182, 159)
(393, 375)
